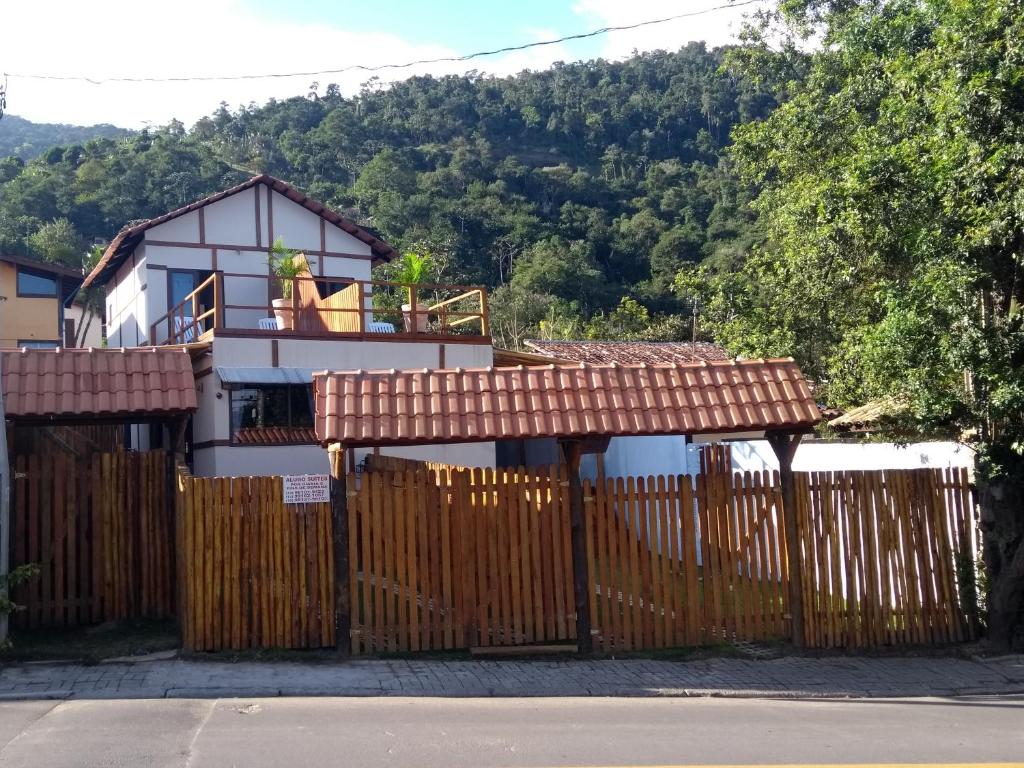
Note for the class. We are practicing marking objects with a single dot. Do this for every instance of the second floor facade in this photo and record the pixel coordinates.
(204, 271)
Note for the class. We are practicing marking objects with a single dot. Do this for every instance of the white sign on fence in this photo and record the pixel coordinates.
(306, 489)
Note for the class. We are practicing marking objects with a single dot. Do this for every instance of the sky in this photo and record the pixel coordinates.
(190, 38)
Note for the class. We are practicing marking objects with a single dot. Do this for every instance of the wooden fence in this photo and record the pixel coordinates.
(253, 572)
(673, 565)
(457, 558)
(100, 530)
(463, 559)
(887, 556)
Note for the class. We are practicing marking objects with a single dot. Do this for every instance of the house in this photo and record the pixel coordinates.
(201, 277)
(644, 455)
(32, 302)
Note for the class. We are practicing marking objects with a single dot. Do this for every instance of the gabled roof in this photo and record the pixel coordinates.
(577, 401)
(107, 384)
(129, 237)
(42, 266)
(629, 352)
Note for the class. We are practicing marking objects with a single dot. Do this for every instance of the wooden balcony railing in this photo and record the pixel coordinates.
(324, 306)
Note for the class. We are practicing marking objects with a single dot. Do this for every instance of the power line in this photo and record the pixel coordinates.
(381, 67)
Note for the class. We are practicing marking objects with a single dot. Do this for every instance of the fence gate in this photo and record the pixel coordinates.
(100, 529)
(254, 572)
(460, 558)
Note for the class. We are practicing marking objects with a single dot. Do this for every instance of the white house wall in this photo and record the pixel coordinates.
(224, 234)
(212, 421)
(823, 456)
(127, 324)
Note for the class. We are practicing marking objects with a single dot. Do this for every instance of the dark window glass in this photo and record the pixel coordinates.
(289, 405)
(181, 285)
(32, 283)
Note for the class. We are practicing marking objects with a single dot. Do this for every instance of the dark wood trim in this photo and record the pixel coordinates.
(203, 373)
(784, 445)
(342, 587)
(323, 244)
(162, 267)
(255, 333)
(255, 249)
(259, 224)
(572, 450)
(213, 259)
(229, 444)
(202, 226)
(270, 217)
(275, 358)
(440, 355)
(126, 419)
(203, 445)
(42, 266)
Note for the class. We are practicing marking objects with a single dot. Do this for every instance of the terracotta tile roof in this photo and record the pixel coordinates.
(125, 241)
(477, 404)
(101, 383)
(276, 436)
(629, 352)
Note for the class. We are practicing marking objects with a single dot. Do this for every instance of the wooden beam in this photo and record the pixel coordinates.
(339, 515)
(5, 514)
(784, 446)
(572, 450)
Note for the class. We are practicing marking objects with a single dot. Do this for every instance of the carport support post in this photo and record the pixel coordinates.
(339, 517)
(5, 513)
(572, 451)
(785, 449)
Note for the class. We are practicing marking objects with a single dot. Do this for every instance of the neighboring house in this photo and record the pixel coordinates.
(200, 276)
(629, 352)
(631, 456)
(32, 296)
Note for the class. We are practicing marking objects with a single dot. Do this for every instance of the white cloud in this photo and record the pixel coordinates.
(109, 38)
(716, 27)
(184, 38)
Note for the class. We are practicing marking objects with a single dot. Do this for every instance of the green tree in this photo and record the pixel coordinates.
(891, 199)
(59, 242)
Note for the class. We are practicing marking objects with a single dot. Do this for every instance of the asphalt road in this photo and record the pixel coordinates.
(365, 733)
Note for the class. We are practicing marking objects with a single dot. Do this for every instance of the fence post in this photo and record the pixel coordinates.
(785, 447)
(339, 517)
(572, 450)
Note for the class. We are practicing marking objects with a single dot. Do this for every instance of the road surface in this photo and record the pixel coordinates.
(447, 733)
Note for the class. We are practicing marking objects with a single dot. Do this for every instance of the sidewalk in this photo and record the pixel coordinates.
(789, 677)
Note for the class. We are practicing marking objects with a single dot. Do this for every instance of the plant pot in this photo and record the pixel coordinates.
(283, 311)
(421, 319)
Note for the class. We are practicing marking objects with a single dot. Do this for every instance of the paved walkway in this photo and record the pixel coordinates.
(790, 677)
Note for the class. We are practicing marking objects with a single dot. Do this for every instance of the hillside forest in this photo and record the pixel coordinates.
(845, 185)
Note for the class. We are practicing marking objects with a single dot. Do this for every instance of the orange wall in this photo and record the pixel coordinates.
(24, 319)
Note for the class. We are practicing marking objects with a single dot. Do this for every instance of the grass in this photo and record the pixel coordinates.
(92, 644)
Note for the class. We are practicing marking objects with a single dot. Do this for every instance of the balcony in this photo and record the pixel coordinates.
(239, 304)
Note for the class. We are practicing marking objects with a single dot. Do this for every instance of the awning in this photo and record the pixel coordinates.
(570, 401)
(137, 383)
(232, 377)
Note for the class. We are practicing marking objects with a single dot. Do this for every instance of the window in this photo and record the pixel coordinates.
(34, 284)
(37, 344)
(258, 408)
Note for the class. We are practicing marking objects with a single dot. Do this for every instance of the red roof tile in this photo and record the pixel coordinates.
(478, 404)
(104, 383)
(276, 436)
(126, 240)
(629, 352)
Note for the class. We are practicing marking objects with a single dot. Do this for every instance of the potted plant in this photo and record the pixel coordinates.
(286, 264)
(410, 272)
